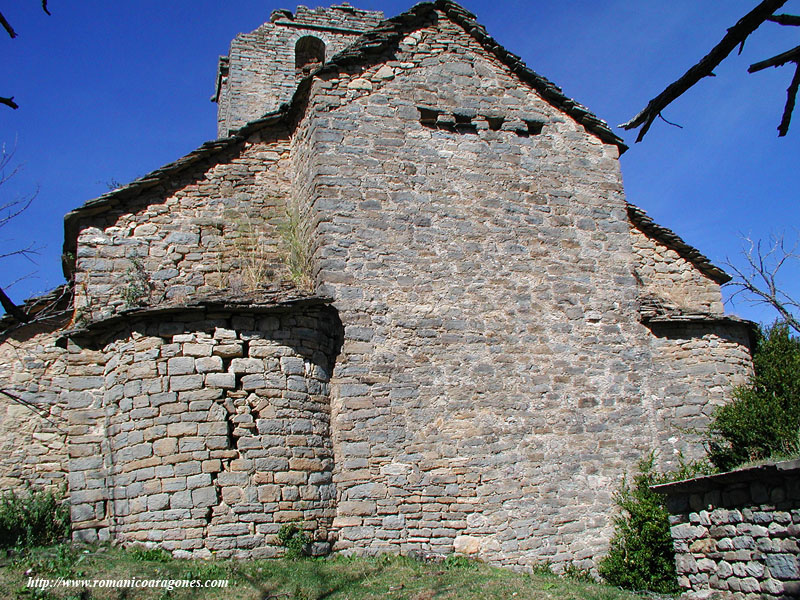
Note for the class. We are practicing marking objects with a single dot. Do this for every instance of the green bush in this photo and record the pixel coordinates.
(294, 539)
(763, 420)
(37, 518)
(641, 556)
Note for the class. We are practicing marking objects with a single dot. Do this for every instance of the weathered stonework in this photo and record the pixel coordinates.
(205, 432)
(259, 73)
(512, 334)
(33, 414)
(735, 534)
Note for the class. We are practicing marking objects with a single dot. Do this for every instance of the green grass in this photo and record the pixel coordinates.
(339, 578)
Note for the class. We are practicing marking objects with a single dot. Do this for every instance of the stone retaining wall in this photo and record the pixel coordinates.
(736, 534)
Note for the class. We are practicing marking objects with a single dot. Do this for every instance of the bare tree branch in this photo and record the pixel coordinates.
(23, 252)
(776, 61)
(10, 30)
(11, 308)
(791, 97)
(7, 26)
(784, 19)
(8, 211)
(32, 407)
(735, 36)
(760, 278)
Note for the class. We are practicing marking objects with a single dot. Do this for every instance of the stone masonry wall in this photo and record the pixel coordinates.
(737, 533)
(258, 75)
(495, 380)
(33, 443)
(213, 231)
(671, 279)
(205, 431)
(698, 364)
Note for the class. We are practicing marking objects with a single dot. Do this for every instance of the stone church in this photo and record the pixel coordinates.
(401, 300)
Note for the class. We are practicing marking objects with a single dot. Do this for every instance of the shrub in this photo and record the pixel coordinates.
(38, 518)
(641, 556)
(763, 420)
(294, 539)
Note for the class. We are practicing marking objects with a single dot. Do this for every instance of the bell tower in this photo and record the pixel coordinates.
(263, 67)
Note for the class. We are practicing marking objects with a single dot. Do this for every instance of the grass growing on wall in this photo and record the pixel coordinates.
(296, 247)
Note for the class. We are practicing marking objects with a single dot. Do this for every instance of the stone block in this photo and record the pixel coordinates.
(198, 350)
(247, 365)
(180, 365)
(204, 496)
(783, 566)
(225, 381)
(208, 364)
(158, 502)
(165, 447)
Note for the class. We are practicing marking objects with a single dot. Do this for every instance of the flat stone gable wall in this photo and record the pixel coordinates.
(260, 67)
(736, 534)
(33, 443)
(213, 232)
(671, 280)
(495, 380)
(206, 432)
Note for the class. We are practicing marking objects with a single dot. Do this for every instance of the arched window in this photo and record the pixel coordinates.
(309, 53)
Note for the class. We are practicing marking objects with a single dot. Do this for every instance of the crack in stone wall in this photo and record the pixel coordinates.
(216, 435)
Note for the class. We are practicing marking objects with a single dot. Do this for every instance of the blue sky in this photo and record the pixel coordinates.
(109, 91)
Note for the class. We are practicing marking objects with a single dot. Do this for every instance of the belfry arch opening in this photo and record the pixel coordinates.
(309, 53)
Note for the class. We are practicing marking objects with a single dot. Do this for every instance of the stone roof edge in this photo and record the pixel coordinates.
(281, 301)
(672, 240)
(770, 470)
(388, 31)
(751, 327)
(51, 306)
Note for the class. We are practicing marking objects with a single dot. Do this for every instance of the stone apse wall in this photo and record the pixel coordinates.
(204, 430)
(735, 534)
(472, 372)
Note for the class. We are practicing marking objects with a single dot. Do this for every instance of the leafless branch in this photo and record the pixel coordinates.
(776, 61)
(14, 208)
(660, 116)
(12, 309)
(7, 26)
(23, 252)
(785, 19)
(10, 30)
(8, 211)
(760, 278)
(791, 97)
(53, 306)
(735, 36)
(32, 407)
